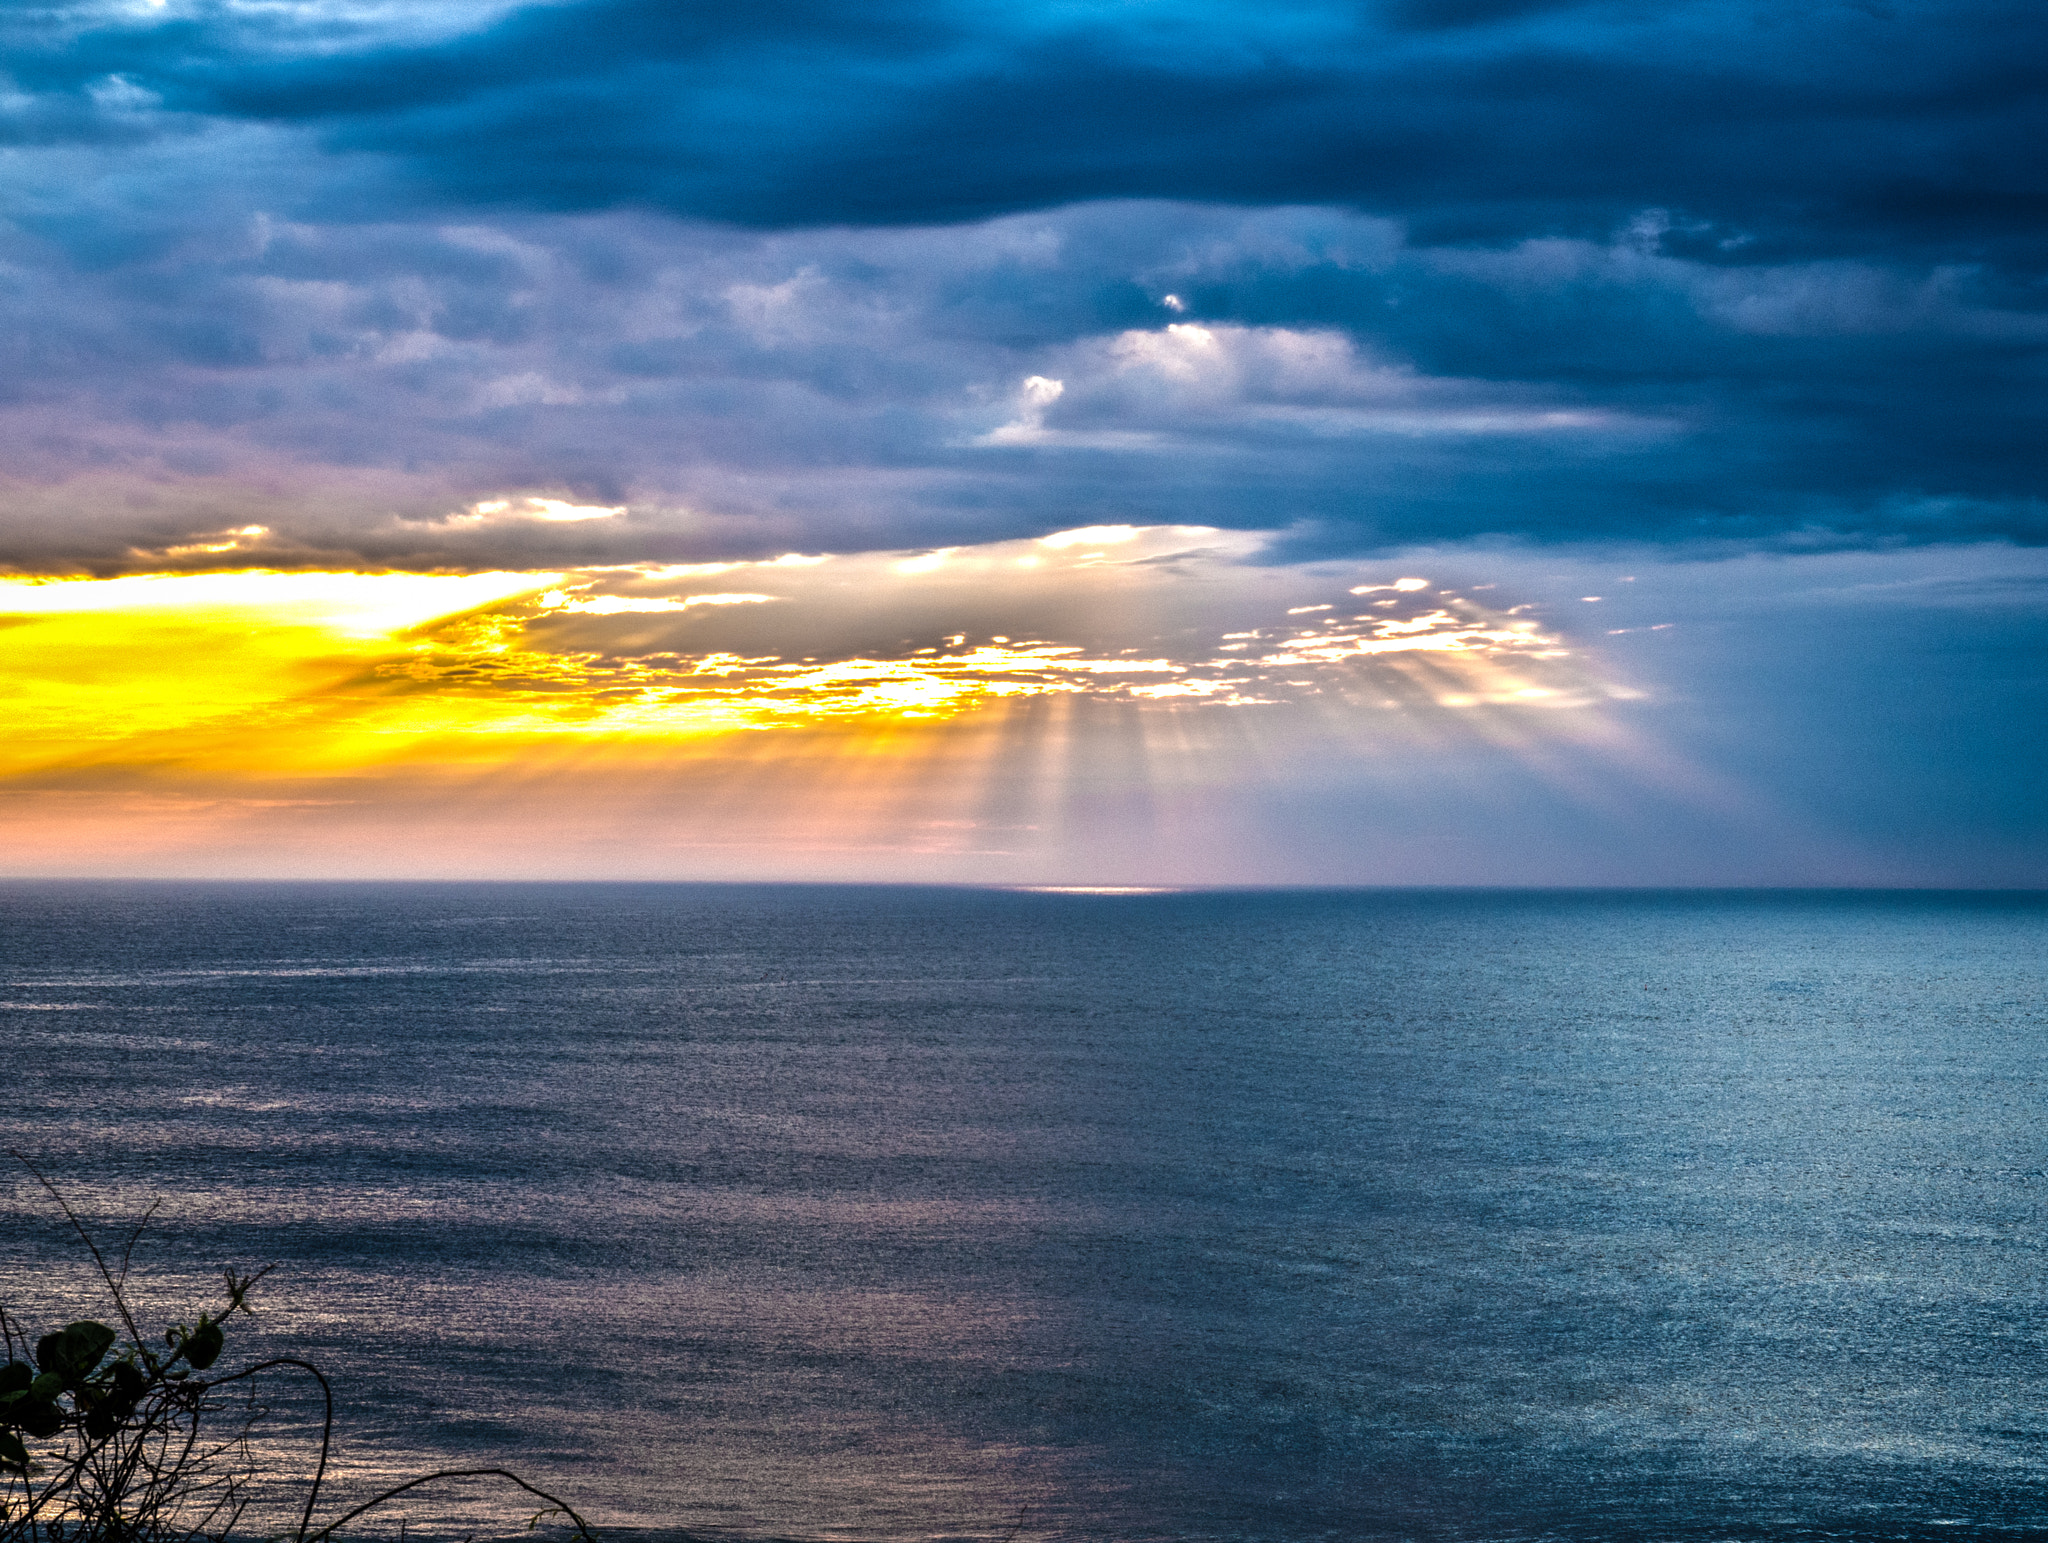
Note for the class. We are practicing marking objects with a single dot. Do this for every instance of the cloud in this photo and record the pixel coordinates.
(1806, 127)
(502, 511)
(1175, 613)
(422, 395)
(784, 276)
(1174, 387)
(618, 605)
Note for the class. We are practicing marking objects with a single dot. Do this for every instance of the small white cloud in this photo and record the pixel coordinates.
(117, 93)
(1028, 428)
(779, 313)
(620, 605)
(552, 511)
(535, 388)
(1090, 535)
(560, 511)
(237, 540)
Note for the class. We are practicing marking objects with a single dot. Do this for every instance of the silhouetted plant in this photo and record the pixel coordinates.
(110, 1441)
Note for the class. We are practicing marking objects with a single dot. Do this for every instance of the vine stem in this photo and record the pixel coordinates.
(326, 1425)
(582, 1527)
(77, 1226)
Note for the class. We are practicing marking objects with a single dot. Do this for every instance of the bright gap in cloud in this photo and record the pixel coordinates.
(356, 605)
(259, 669)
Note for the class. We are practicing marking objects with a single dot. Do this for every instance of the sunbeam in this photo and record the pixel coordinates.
(1125, 699)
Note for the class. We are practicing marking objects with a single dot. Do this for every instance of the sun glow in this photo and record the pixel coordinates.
(351, 604)
(323, 667)
(821, 694)
(124, 666)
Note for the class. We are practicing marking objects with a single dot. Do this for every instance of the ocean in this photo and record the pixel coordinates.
(902, 1213)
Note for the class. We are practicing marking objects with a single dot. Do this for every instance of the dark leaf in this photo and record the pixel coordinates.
(41, 1420)
(89, 1344)
(15, 1376)
(75, 1350)
(13, 1455)
(204, 1347)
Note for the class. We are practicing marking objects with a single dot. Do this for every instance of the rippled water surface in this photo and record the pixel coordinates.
(893, 1214)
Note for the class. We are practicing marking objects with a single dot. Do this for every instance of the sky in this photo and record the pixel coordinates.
(1070, 443)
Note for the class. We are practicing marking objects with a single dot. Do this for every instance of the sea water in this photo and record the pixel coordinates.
(918, 1213)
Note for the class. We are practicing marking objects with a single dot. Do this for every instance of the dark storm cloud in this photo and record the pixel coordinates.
(1815, 129)
(1692, 273)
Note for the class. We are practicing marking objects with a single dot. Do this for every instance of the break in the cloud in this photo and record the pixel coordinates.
(1008, 704)
(1107, 705)
(1185, 617)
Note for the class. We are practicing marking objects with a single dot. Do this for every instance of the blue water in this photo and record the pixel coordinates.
(900, 1213)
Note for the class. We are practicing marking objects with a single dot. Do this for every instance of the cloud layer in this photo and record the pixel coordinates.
(230, 387)
(828, 275)
(1806, 128)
